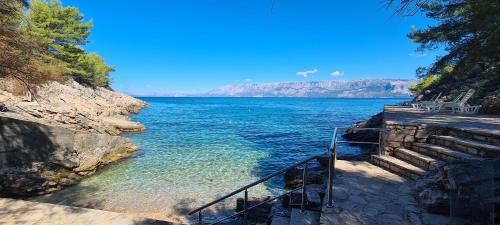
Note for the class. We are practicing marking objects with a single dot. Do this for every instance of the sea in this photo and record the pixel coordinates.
(197, 149)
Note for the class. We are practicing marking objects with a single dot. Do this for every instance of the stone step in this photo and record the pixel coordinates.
(467, 146)
(280, 220)
(305, 217)
(398, 166)
(314, 193)
(423, 161)
(232, 222)
(477, 134)
(442, 153)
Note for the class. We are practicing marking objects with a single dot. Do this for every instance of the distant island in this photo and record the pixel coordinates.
(363, 88)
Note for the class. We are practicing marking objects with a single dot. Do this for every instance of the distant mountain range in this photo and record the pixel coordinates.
(365, 88)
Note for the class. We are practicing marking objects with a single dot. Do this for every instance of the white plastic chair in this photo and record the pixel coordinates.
(436, 107)
(424, 104)
(471, 109)
(460, 105)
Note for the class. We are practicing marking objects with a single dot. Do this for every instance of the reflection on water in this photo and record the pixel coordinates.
(195, 149)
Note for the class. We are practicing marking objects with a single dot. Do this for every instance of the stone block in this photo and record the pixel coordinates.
(259, 213)
(394, 144)
(473, 151)
(421, 134)
(480, 137)
(421, 140)
(409, 139)
(389, 150)
(395, 136)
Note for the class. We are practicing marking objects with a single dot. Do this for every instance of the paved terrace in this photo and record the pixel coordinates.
(18, 212)
(366, 194)
(407, 115)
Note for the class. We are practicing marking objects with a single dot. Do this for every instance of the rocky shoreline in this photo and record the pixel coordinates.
(60, 135)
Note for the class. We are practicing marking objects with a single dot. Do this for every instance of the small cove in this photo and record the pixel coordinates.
(195, 149)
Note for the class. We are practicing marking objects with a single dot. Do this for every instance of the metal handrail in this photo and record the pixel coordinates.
(255, 206)
(266, 178)
(332, 154)
(359, 142)
(246, 187)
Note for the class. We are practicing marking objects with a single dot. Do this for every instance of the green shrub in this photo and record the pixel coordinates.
(94, 71)
(425, 84)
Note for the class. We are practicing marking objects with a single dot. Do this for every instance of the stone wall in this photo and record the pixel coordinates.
(404, 134)
(37, 159)
(473, 191)
(398, 135)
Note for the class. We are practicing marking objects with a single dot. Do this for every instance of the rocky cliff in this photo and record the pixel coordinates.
(60, 134)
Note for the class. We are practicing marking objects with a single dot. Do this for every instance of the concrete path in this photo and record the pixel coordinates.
(18, 212)
(365, 194)
(407, 115)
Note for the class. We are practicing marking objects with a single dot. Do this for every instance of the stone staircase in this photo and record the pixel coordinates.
(287, 211)
(309, 216)
(449, 144)
(298, 217)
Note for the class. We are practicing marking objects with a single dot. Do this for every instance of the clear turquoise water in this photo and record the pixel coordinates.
(195, 149)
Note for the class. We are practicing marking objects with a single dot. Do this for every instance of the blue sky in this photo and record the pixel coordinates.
(191, 46)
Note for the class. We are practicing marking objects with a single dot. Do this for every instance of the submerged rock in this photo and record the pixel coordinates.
(293, 177)
(258, 214)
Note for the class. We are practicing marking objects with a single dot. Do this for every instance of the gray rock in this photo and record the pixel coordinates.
(3, 108)
(365, 135)
(37, 159)
(74, 106)
(122, 124)
(259, 214)
(293, 177)
(60, 135)
(434, 200)
(490, 105)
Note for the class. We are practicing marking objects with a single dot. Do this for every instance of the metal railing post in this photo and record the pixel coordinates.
(380, 144)
(304, 187)
(332, 157)
(245, 213)
(264, 179)
(331, 168)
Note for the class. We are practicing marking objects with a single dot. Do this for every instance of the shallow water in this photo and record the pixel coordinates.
(195, 149)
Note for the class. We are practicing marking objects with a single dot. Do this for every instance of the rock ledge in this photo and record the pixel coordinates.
(61, 135)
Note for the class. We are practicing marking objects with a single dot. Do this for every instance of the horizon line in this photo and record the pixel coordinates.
(145, 96)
